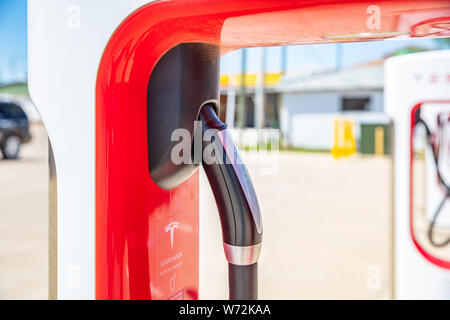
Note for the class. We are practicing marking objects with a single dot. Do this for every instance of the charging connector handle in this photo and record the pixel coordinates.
(236, 202)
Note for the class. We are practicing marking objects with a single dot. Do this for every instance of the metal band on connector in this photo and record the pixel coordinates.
(242, 256)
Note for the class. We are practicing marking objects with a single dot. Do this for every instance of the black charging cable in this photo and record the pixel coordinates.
(237, 205)
(435, 152)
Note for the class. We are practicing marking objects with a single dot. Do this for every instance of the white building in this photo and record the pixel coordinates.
(309, 104)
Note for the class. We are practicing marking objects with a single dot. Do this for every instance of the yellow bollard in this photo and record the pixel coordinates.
(344, 140)
(379, 141)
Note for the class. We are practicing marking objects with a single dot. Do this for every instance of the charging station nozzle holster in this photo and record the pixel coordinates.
(182, 107)
(183, 80)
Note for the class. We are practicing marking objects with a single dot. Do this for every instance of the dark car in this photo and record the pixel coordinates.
(14, 129)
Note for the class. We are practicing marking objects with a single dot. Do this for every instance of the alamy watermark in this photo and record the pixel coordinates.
(212, 146)
(373, 22)
(373, 277)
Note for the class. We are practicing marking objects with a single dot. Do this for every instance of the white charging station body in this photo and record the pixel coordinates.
(66, 40)
(410, 80)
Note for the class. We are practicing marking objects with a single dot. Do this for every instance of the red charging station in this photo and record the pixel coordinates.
(140, 240)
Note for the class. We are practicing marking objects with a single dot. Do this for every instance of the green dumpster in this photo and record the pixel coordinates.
(375, 139)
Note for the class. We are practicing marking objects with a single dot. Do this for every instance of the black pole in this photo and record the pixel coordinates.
(243, 281)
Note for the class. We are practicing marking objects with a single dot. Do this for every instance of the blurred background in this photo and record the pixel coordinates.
(323, 180)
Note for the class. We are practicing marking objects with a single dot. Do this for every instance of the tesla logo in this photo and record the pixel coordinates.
(73, 21)
(432, 78)
(171, 229)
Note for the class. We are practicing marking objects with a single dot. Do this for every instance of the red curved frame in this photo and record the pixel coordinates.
(445, 264)
(130, 208)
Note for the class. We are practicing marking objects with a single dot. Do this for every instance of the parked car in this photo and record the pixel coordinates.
(14, 129)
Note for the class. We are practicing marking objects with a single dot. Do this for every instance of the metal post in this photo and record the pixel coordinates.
(240, 123)
(259, 93)
(231, 101)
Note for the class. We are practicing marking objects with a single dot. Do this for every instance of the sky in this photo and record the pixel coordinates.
(318, 57)
(13, 50)
(13, 40)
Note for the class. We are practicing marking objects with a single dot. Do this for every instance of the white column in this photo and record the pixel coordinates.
(259, 93)
(231, 102)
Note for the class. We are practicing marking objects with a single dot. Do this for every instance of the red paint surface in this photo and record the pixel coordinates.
(130, 209)
(427, 255)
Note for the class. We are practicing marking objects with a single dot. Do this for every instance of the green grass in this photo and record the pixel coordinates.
(268, 147)
(306, 150)
(19, 89)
